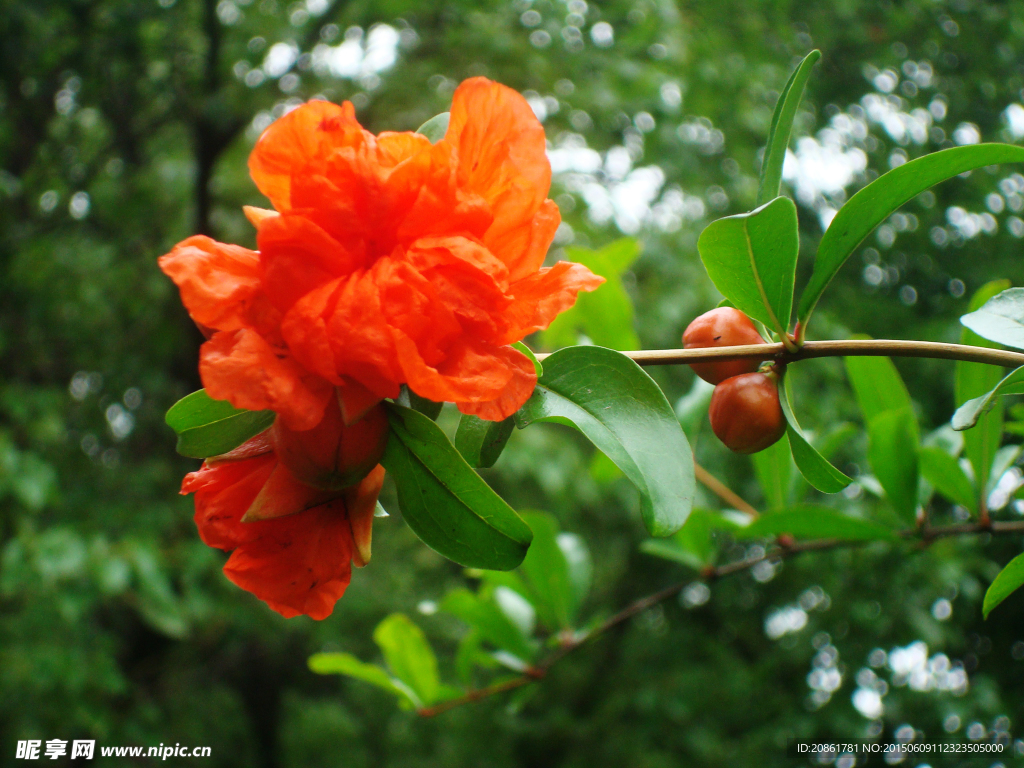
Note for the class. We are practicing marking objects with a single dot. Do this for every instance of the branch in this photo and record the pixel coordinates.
(844, 348)
(925, 536)
(722, 491)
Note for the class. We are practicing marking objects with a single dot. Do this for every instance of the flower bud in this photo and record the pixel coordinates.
(722, 327)
(746, 414)
(331, 455)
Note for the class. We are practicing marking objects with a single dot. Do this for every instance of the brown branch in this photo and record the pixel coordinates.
(721, 490)
(777, 552)
(844, 348)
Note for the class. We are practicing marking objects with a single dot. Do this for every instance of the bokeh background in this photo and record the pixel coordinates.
(125, 126)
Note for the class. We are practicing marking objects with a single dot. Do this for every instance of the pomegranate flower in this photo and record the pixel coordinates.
(388, 260)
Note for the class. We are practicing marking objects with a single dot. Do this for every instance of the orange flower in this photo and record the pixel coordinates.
(294, 542)
(388, 261)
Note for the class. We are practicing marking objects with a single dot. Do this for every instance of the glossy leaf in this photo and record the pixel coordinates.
(445, 502)
(1000, 319)
(693, 545)
(410, 399)
(892, 451)
(547, 572)
(208, 427)
(481, 442)
(435, 128)
(945, 474)
(975, 380)
(812, 522)
(774, 469)
(1006, 583)
(815, 468)
(484, 615)
(751, 259)
(347, 664)
(782, 127)
(878, 387)
(608, 398)
(967, 415)
(878, 200)
(408, 655)
(604, 316)
(537, 367)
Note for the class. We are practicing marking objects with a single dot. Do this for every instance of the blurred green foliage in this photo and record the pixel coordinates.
(124, 127)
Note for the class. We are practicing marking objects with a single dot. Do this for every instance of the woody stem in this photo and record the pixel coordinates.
(843, 348)
(539, 670)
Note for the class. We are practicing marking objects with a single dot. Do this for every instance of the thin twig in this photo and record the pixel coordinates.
(721, 490)
(538, 671)
(844, 348)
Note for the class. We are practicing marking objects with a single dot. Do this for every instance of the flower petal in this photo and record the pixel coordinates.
(223, 492)
(502, 157)
(219, 283)
(361, 503)
(540, 298)
(517, 389)
(304, 136)
(300, 564)
(283, 495)
(242, 368)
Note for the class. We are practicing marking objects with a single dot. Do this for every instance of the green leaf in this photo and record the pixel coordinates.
(435, 128)
(537, 367)
(810, 522)
(967, 415)
(610, 399)
(781, 127)
(605, 316)
(208, 427)
(878, 387)
(409, 399)
(408, 655)
(892, 451)
(774, 469)
(481, 442)
(547, 572)
(751, 259)
(812, 465)
(445, 502)
(974, 380)
(878, 200)
(484, 615)
(945, 474)
(347, 664)
(1007, 582)
(1000, 319)
(693, 545)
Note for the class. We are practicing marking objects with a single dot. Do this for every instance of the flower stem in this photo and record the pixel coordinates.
(843, 348)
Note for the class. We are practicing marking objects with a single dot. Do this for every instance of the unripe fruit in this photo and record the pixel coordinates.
(331, 455)
(746, 414)
(722, 327)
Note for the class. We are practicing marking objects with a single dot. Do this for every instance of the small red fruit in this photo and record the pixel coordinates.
(746, 414)
(332, 455)
(722, 327)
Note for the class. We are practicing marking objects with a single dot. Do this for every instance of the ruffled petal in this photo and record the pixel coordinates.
(300, 564)
(304, 136)
(223, 492)
(240, 367)
(540, 298)
(471, 371)
(517, 389)
(502, 157)
(219, 283)
(298, 257)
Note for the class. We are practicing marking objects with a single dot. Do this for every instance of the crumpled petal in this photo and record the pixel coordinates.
(502, 157)
(299, 564)
(219, 283)
(301, 138)
(541, 297)
(242, 368)
(515, 392)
